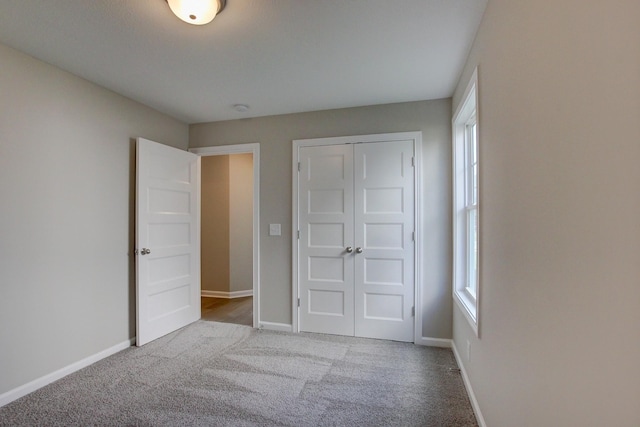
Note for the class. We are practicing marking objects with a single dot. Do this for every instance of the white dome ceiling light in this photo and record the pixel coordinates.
(196, 12)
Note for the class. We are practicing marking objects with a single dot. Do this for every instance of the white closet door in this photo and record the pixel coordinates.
(167, 240)
(326, 231)
(384, 226)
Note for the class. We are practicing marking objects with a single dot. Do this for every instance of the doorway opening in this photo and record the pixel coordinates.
(230, 233)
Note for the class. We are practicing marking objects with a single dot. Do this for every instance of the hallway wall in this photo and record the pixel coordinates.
(215, 224)
(227, 223)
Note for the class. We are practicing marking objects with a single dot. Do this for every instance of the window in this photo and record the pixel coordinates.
(466, 224)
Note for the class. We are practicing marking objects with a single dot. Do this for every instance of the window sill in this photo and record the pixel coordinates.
(467, 305)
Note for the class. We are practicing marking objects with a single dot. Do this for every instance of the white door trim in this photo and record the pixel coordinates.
(253, 148)
(357, 139)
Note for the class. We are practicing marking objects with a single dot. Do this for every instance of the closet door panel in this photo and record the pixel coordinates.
(384, 225)
(326, 229)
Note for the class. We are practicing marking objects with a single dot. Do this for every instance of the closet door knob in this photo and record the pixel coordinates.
(359, 250)
(349, 249)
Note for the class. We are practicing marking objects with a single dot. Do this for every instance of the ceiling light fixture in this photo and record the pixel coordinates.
(196, 12)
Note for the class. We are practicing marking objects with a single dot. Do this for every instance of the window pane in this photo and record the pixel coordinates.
(473, 137)
(473, 141)
(472, 250)
(474, 180)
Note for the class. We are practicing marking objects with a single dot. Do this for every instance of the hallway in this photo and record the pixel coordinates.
(228, 310)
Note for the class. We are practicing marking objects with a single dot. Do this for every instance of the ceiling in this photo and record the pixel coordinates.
(277, 56)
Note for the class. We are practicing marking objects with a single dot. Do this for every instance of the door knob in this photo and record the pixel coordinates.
(349, 249)
(359, 250)
(145, 251)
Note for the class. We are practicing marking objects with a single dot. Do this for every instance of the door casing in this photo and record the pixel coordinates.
(361, 139)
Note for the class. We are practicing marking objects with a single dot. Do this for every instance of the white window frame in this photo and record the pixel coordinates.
(466, 208)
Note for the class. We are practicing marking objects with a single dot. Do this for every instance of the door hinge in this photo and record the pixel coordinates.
(299, 167)
(413, 311)
(298, 302)
(413, 236)
(413, 162)
(298, 234)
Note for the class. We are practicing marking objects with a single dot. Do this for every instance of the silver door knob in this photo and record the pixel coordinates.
(349, 249)
(145, 251)
(359, 250)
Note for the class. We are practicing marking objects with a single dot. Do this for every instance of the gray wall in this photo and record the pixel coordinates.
(66, 235)
(227, 223)
(214, 220)
(559, 86)
(275, 135)
(241, 222)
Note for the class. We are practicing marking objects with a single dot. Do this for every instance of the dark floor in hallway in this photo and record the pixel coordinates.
(234, 310)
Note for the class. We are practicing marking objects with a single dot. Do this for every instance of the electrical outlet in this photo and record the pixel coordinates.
(468, 351)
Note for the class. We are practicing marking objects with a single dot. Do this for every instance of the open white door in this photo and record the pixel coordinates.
(167, 240)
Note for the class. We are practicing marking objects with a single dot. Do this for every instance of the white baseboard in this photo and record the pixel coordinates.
(282, 327)
(34, 385)
(434, 342)
(228, 295)
(467, 385)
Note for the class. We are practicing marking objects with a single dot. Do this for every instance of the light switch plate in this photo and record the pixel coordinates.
(274, 230)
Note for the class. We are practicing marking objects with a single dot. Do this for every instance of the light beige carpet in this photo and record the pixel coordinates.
(217, 374)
